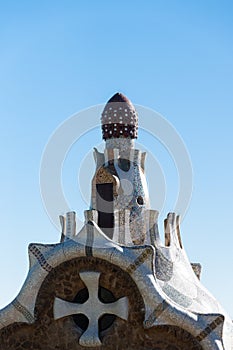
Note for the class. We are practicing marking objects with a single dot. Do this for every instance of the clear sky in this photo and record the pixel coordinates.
(60, 57)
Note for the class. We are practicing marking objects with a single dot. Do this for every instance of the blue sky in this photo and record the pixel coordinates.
(60, 57)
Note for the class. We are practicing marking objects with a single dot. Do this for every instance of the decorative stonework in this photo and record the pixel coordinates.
(119, 118)
(135, 263)
(114, 284)
(104, 176)
(64, 282)
(129, 190)
(93, 309)
(123, 144)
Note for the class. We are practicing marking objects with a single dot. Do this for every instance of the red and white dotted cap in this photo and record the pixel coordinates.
(119, 118)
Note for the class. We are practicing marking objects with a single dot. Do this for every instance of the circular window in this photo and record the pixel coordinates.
(140, 200)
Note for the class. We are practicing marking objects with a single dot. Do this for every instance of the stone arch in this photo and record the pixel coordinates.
(63, 281)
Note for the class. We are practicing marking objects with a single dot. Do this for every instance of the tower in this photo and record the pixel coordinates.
(119, 188)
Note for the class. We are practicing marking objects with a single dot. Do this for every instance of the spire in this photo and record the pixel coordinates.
(119, 97)
(119, 118)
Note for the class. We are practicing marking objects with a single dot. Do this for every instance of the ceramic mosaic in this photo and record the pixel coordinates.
(130, 291)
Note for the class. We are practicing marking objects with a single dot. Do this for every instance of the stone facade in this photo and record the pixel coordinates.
(64, 282)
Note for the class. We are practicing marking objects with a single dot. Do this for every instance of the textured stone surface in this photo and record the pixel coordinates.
(93, 308)
(163, 301)
(119, 248)
(129, 191)
(64, 282)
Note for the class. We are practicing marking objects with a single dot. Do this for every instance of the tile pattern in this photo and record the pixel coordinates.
(122, 144)
(135, 262)
(119, 120)
(89, 240)
(152, 228)
(134, 198)
(117, 130)
(104, 176)
(63, 334)
(119, 125)
(210, 328)
(163, 266)
(40, 257)
(122, 226)
(139, 260)
(169, 309)
(22, 309)
(156, 313)
(179, 297)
